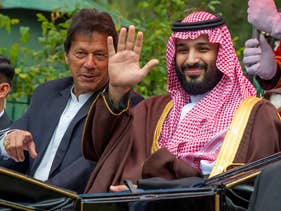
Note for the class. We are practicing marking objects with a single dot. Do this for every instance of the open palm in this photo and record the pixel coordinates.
(123, 67)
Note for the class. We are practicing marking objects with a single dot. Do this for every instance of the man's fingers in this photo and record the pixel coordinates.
(32, 150)
(11, 150)
(251, 60)
(19, 150)
(253, 70)
(18, 142)
(138, 45)
(263, 43)
(130, 38)
(252, 52)
(110, 46)
(149, 65)
(118, 188)
(251, 43)
(122, 39)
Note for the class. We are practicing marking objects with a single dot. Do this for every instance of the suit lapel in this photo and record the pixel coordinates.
(5, 122)
(56, 106)
(65, 142)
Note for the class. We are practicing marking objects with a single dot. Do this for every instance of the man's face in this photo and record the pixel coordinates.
(88, 61)
(196, 64)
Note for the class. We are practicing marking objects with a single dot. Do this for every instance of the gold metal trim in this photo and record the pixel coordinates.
(217, 202)
(81, 206)
(38, 183)
(238, 181)
(11, 205)
(109, 109)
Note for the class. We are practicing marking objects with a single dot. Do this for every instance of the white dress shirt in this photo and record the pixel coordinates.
(1, 113)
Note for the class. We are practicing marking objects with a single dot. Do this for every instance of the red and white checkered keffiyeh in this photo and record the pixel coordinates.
(212, 115)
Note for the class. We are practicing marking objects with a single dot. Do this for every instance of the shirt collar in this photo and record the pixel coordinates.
(81, 98)
(2, 113)
(197, 98)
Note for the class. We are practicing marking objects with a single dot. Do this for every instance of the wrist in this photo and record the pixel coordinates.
(117, 108)
(4, 154)
(116, 94)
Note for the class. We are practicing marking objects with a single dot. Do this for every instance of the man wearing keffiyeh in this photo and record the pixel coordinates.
(186, 132)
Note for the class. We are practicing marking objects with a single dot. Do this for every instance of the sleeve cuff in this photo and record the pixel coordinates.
(4, 154)
(275, 82)
(121, 107)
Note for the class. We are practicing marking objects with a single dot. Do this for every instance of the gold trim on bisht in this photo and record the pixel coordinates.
(234, 136)
(155, 146)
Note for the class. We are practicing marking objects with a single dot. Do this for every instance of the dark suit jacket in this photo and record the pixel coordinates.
(5, 121)
(69, 169)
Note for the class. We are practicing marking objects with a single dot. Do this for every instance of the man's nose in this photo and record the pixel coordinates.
(90, 61)
(192, 58)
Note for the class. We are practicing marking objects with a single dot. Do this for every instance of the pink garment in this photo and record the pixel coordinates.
(264, 15)
(211, 115)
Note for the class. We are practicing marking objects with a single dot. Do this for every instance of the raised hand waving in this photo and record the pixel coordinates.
(123, 66)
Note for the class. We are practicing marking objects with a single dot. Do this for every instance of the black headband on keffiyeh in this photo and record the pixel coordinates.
(179, 26)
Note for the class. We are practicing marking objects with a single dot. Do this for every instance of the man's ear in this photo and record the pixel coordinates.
(4, 89)
(66, 58)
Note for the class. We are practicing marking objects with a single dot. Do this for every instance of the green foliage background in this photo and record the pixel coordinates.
(153, 17)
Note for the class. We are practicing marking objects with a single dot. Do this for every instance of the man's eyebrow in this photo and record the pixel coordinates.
(203, 43)
(179, 44)
(99, 50)
(79, 49)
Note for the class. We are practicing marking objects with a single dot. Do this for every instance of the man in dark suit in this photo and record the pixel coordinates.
(7, 72)
(46, 142)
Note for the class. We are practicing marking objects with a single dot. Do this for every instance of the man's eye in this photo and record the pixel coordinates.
(80, 54)
(183, 50)
(204, 49)
(100, 56)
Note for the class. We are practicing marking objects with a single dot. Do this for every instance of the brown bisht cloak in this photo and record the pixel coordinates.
(122, 143)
